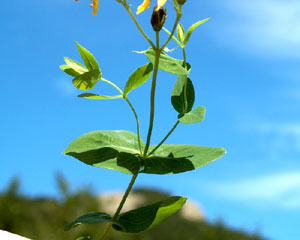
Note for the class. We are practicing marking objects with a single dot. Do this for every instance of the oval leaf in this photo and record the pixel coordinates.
(171, 159)
(144, 218)
(87, 81)
(140, 76)
(115, 150)
(191, 29)
(183, 95)
(167, 63)
(96, 96)
(88, 58)
(197, 115)
(89, 218)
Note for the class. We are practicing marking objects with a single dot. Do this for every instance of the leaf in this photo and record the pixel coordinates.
(191, 29)
(167, 63)
(174, 38)
(149, 216)
(197, 115)
(180, 32)
(183, 95)
(174, 158)
(140, 76)
(87, 81)
(89, 218)
(76, 66)
(96, 96)
(68, 70)
(105, 149)
(88, 59)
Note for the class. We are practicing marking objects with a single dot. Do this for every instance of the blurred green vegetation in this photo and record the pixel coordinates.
(45, 218)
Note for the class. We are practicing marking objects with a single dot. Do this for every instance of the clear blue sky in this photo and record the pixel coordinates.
(246, 73)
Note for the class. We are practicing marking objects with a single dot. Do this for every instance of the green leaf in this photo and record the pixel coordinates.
(88, 59)
(89, 218)
(106, 149)
(149, 216)
(76, 66)
(180, 32)
(96, 96)
(196, 115)
(167, 63)
(87, 81)
(68, 70)
(140, 76)
(191, 29)
(174, 158)
(174, 38)
(183, 95)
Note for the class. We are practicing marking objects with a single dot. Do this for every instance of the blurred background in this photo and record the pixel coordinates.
(245, 69)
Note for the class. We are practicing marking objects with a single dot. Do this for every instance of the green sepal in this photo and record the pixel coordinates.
(138, 77)
(88, 58)
(173, 158)
(180, 32)
(183, 95)
(87, 80)
(147, 217)
(190, 31)
(89, 218)
(115, 150)
(167, 63)
(96, 96)
(194, 116)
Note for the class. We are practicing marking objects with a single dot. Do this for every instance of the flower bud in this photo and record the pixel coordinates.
(158, 18)
(181, 2)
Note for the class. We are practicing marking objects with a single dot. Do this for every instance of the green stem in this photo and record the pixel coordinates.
(137, 123)
(116, 215)
(131, 107)
(152, 97)
(165, 138)
(186, 80)
(138, 25)
(112, 84)
(178, 16)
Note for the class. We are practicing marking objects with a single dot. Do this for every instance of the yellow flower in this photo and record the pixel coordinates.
(146, 4)
(95, 7)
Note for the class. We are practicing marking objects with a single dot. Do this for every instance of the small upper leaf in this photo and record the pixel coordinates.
(183, 95)
(96, 96)
(191, 29)
(87, 80)
(149, 216)
(167, 63)
(115, 150)
(194, 116)
(75, 65)
(68, 70)
(88, 59)
(89, 218)
(140, 76)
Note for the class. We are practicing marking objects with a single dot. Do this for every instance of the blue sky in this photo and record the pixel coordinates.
(246, 73)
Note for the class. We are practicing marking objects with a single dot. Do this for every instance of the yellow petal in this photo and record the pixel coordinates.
(143, 6)
(160, 3)
(95, 7)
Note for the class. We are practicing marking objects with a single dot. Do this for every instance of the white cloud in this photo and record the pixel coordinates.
(273, 191)
(65, 87)
(267, 27)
